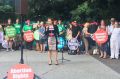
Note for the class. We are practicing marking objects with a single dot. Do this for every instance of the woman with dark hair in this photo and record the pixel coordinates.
(103, 47)
(52, 33)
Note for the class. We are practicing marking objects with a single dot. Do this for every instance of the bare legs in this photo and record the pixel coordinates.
(86, 45)
(41, 47)
(49, 57)
(103, 54)
(37, 47)
(10, 43)
(55, 55)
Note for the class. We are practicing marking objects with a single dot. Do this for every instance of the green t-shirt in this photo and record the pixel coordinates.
(17, 27)
(61, 29)
(10, 31)
(26, 28)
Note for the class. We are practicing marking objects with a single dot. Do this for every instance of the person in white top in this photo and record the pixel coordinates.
(110, 30)
(114, 41)
(111, 26)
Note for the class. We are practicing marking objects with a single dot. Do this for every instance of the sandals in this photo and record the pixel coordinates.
(56, 63)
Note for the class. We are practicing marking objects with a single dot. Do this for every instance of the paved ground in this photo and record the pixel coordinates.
(113, 64)
(79, 66)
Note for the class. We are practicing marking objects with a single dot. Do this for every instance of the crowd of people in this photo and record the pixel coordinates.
(50, 30)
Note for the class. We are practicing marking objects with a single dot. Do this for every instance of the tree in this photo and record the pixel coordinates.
(96, 10)
(6, 9)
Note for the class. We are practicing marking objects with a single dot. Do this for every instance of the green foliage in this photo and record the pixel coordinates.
(96, 10)
(6, 8)
(81, 12)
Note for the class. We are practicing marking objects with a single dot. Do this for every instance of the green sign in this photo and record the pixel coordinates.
(10, 31)
(36, 35)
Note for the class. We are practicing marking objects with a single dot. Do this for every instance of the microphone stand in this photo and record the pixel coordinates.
(63, 53)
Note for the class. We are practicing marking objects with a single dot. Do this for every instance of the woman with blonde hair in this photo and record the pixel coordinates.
(86, 35)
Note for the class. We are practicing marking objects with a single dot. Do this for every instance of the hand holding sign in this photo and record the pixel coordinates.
(11, 31)
(36, 35)
(100, 36)
(28, 36)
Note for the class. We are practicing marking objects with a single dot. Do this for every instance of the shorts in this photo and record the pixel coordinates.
(18, 38)
(9, 38)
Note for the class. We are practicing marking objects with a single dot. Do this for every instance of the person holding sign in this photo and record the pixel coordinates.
(75, 32)
(28, 28)
(115, 42)
(103, 46)
(36, 27)
(42, 35)
(10, 34)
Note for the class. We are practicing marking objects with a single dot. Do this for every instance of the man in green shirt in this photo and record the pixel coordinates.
(17, 26)
(27, 27)
(61, 29)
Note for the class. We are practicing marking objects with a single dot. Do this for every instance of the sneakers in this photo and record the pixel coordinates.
(114, 58)
(12, 50)
(7, 50)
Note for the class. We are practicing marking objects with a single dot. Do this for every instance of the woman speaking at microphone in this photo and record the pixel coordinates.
(52, 33)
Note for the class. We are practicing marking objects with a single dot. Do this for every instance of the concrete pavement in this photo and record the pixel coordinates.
(79, 66)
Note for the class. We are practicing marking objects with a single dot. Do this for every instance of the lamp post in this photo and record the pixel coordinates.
(21, 59)
(21, 8)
